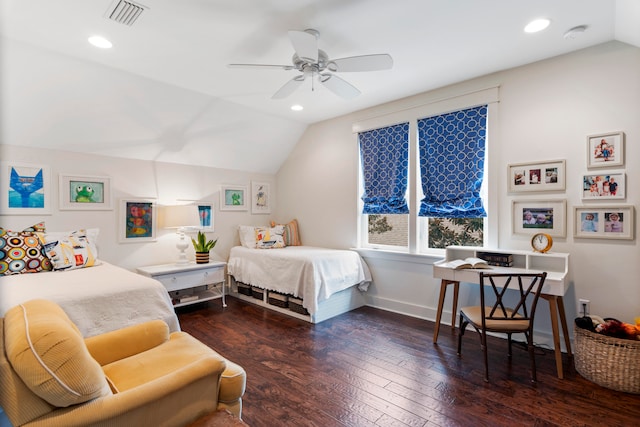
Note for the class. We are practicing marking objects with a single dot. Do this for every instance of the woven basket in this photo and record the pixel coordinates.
(608, 361)
(295, 305)
(278, 299)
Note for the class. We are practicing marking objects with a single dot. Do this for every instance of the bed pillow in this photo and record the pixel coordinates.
(22, 251)
(270, 237)
(71, 250)
(247, 234)
(291, 233)
(48, 353)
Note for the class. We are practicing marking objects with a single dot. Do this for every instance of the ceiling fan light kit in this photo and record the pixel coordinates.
(315, 64)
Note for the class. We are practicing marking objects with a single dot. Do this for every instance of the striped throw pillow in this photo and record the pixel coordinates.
(291, 233)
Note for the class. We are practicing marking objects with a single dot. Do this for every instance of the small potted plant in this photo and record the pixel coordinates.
(202, 247)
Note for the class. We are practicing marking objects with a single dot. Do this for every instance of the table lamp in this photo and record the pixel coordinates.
(181, 217)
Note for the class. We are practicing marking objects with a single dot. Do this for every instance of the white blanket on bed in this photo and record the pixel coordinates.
(310, 273)
(97, 299)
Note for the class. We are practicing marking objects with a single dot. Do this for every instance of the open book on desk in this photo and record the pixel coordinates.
(471, 262)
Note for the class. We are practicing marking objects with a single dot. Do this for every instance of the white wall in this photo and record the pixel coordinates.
(164, 182)
(546, 110)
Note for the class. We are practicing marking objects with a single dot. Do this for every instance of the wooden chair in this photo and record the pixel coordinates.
(499, 318)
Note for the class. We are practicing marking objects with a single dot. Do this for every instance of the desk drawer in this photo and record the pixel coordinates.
(190, 279)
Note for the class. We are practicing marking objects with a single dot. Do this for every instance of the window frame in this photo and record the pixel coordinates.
(431, 106)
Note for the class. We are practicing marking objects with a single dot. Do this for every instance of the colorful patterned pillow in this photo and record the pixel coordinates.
(291, 233)
(68, 251)
(22, 251)
(270, 238)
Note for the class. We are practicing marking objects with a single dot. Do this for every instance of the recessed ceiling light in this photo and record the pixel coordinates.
(297, 107)
(101, 42)
(537, 25)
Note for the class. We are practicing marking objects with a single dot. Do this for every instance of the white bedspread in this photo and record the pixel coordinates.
(97, 299)
(310, 273)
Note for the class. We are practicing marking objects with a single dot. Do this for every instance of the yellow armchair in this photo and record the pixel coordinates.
(139, 375)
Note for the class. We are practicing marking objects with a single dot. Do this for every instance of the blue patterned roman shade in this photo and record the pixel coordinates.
(452, 149)
(385, 160)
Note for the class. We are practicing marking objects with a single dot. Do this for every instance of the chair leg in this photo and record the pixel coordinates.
(509, 352)
(462, 325)
(483, 344)
(532, 355)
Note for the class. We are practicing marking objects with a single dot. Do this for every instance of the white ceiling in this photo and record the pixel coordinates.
(187, 45)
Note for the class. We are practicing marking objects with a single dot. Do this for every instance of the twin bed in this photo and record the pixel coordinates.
(325, 282)
(97, 299)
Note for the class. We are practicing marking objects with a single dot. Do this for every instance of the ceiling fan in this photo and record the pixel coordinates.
(315, 64)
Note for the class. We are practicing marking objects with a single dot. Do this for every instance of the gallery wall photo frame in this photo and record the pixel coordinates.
(604, 186)
(137, 221)
(25, 189)
(605, 150)
(535, 216)
(84, 193)
(260, 197)
(604, 222)
(233, 198)
(205, 211)
(536, 176)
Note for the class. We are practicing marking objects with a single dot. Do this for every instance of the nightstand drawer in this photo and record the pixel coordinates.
(190, 279)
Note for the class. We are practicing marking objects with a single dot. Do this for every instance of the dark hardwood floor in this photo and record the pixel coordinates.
(370, 367)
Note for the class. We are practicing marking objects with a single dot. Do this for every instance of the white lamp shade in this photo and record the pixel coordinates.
(180, 216)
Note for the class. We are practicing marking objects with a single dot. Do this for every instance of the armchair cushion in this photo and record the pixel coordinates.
(48, 353)
(122, 343)
(185, 351)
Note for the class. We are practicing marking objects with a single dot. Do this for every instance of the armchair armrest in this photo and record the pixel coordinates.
(122, 343)
(177, 399)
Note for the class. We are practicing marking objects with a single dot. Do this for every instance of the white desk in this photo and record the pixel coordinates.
(555, 264)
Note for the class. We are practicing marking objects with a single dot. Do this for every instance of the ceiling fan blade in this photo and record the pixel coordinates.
(263, 66)
(338, 86)
(289, 87)
(376, 62)
(305, 43)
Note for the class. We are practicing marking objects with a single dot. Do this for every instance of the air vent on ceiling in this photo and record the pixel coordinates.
(125, 12)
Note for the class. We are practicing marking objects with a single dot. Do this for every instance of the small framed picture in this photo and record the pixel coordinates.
(605, 185)
(605, 150)
(205, 211)
(533, 216)
(137, 221)
(25, 189)
(260, 198)
(233, 198)
(85, 193)
(604, 222)
(538, 176)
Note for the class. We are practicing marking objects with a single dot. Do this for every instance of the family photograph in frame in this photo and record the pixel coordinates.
(605, 150)
(538, 176)
(606, 185)
(533, 216)
(604, 222)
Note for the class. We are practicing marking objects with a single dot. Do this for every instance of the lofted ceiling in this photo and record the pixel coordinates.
(164, 91)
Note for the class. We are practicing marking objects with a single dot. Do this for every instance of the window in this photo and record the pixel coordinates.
(446, 180)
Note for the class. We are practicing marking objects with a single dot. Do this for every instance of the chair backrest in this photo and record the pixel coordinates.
(528, 287)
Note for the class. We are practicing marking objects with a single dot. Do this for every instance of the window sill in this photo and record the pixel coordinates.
(427, 259)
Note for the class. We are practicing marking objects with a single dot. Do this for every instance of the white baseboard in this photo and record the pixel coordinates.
(542, 339)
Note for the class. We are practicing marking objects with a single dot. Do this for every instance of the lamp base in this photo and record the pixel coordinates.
(182, 246)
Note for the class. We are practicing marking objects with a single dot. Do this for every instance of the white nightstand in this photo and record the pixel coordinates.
(189, 283)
